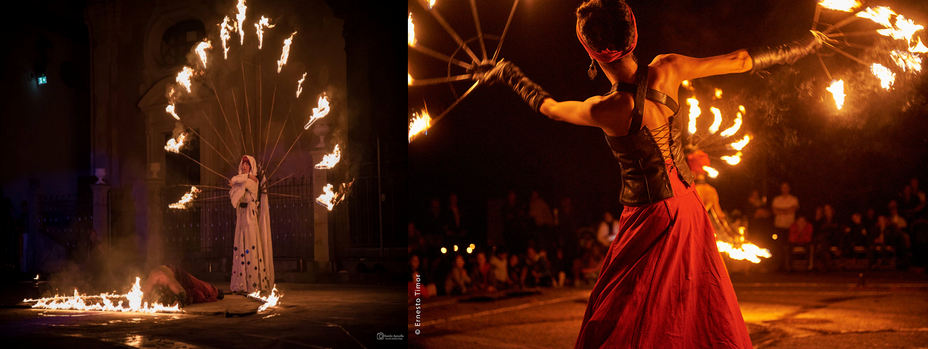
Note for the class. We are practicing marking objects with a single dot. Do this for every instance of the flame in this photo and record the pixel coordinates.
(687, 85)
(329, 198)
(411, 31)
(263, 23)
(269, 301)
(79, 302)
(746, 251)
(183, 77)
(419, 124)
(174, 145)
(285, 54)
(431, 3)
(732, 160)
(36, 277)
(694, 113)
(718, 93)
(240, 16)
(717, 121)
(189, 196)
(903, 28)
(170, 109)
(329, 160)
(837, 90)
(740, 144)
(224, 29)
(409, 81)
(201, 51)
(320, 112)
(885, 75)
(841, 5)
(907, 61)
(299, 86)
(734, 128)
(711, 171)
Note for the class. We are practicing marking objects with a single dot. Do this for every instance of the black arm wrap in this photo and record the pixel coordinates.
(764, 57)
(510, 75)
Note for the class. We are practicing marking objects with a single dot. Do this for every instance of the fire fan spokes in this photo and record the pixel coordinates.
(890, 50)
(248, 124)
(464, 64)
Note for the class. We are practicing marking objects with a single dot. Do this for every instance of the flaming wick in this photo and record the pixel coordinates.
(299, 86)
(240, 16)
(264, 22)
(285, 54)
(329, 160)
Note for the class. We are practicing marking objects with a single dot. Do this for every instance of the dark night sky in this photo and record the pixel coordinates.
(492, 142)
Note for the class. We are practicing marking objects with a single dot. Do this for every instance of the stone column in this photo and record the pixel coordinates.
(101, 212)
(155, 243)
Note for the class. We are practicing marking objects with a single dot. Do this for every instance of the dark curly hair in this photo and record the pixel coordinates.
(606, 24)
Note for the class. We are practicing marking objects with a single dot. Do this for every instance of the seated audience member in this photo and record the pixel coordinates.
(418, 281)
(558, 272)
(515, 270)
(855, 236)
(480, 274)
(537, 271)
(499, 277)
(884, 234)
(169, 285)
(457, 281)
(800, 235)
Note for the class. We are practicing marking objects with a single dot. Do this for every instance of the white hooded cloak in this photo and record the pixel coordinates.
(252, 254)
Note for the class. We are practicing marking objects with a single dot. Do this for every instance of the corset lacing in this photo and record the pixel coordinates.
(662, 137)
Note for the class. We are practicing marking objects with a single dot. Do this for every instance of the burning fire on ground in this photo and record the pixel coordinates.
(105, 302)
(269, 301)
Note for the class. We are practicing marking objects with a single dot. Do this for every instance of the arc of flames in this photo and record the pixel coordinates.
(201, 51)
(174, 145)
(711, 171)
(717, 121)
(431, 3)
(189, 196)
(299, 86)
(419, 124)
(330, 198)
(740, 144)
(240, 16)
(269, 301)
(837, 91)
(885, 75)
(694, 113)
(224, 28)
(737, 126)
(732, 160)
(170, 109)
(902, 28)
(285, 54)
(183, 78)
(329, 160)
(411, 32)
(263, 23)
(841, 5)
(79, 302)
(320, 112)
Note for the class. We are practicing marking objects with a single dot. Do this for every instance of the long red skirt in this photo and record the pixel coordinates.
(663, 283)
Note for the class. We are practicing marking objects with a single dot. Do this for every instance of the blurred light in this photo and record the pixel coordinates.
(444, 250)
(455, 248)
(473, 247)
(42, 79)
(774, 236)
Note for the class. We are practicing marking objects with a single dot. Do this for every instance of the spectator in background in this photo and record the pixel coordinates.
(869, 219)
(784, 209)
(515, 268)
(828, 234)
(855, 235)
(480, 274)
(415, 240)
(498, 274)
(558, 271)
(608, 230)
(540, 211)
(426, 287)
(567, 226)
(894, 216)
(918, 210)
(800, 234)
(457, 281)
(537, 270)
(883, 234)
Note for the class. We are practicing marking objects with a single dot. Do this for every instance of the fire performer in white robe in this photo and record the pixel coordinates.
(252, 259)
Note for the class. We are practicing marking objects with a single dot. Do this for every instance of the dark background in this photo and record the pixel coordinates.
(857, 157)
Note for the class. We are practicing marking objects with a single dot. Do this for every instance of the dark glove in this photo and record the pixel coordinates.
(510, 75)
(764, 57)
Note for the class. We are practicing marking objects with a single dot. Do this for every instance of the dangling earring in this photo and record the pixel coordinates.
(592, 71)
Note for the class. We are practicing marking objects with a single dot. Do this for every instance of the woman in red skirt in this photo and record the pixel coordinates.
(663, 283)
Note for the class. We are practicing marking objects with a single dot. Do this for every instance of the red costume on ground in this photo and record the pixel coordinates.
(197, 291)
(663, 283)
